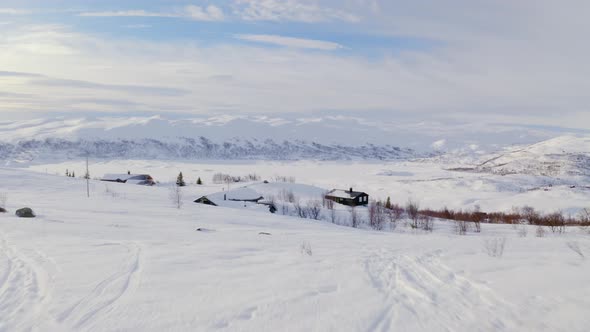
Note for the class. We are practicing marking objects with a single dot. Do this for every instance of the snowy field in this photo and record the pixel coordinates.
(429, 182)
(127, 259)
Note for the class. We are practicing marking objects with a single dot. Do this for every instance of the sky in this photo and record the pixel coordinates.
(517, 62)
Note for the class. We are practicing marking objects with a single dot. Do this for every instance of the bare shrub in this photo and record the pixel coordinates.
(176, 195)
(461, 227)
(300, 210)
(522, 231)
(110, 192)
(221, 178)
(287, 196)
(282, 178)
(477, 226)
(575, 247)
(531, 216)
(327, 203)
(540, 231)
(252, 177)
(314, 209)
(495, 247)
(305, 249)
(285, 209)
(477, 217)
(333, 217)
(376, 215)
(272, 199)
(426, 223)
(354, 217)
(555, 221)
(583, 216)
(395, 213)
(413, 211)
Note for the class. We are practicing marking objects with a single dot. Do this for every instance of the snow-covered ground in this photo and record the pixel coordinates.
(127, 259)
(428, 182)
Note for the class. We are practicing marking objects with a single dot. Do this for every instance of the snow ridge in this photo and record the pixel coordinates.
(185, 148)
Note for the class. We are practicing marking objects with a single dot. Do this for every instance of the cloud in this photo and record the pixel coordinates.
(510, 62)
(210, 13)
(137, 26)
(135, 89)
(291, 42)
(289, 10)
(14, 11)
(127, 13)
(18, 74)
(14, 95)
(197, 13)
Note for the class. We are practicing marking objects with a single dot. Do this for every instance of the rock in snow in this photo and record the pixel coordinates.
(25, 213)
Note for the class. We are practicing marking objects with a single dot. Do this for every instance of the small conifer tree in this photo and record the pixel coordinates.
(388, 203)
(199, 182)
(180, 180)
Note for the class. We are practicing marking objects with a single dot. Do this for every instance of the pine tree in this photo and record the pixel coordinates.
(73, 174)
(180, 180)
(199, 182)
(388, 203)
(67, 172)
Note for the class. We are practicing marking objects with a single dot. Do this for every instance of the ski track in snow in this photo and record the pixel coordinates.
(106, 296)
(24, 288)
(436, 298)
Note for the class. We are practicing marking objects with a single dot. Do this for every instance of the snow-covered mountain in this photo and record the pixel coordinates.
(290, 137)
(192, 149)
(215, 137)
(327, 128)
(561, 156)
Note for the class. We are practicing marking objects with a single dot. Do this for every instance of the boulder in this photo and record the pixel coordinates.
(2, 210)
(25, 213)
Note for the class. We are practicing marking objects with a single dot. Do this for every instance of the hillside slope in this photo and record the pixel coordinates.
(126, 259)
(565, 155)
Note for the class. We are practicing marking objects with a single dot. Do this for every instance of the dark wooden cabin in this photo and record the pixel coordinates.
(348, 197)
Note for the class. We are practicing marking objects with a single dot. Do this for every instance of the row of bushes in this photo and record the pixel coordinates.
(524, 215)
(220, 178)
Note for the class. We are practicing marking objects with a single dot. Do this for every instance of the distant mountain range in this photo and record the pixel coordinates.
(194, 149)
(326, 137)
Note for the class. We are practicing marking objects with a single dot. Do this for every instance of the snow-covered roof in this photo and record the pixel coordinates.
(239, 194)
(238, 198)
(125, 177)
(344, 193)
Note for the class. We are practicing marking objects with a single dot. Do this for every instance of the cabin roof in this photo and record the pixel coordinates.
(347, 194)
(125, 177)
(239, 194)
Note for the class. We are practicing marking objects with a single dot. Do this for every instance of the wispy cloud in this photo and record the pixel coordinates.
(519, 59)
(209, 13)
(127, 13)
(136, 89)
(18, 74)
(198, 13)
(304, 11)
(137, 26)
(14, 11)
(289, 10)
(291, 42)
